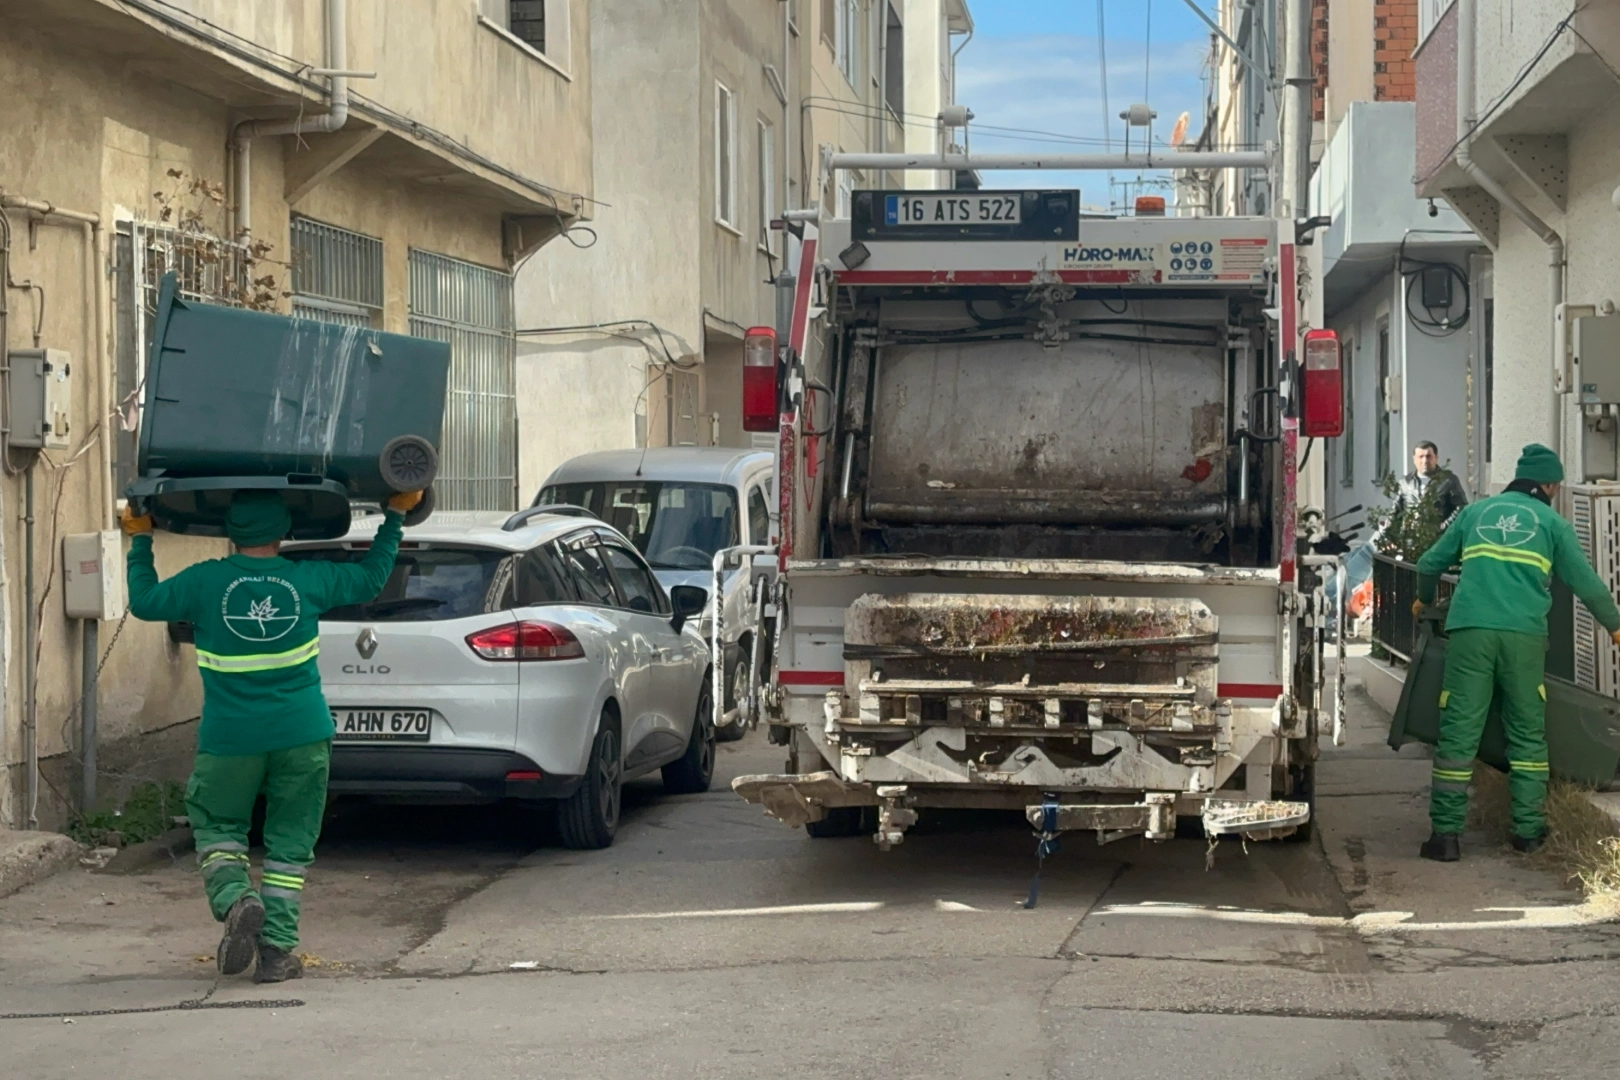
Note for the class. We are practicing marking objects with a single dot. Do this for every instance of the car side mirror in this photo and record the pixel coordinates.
(688, 602)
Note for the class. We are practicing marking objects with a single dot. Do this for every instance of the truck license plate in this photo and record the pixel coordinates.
(952, 210)
(383, 725)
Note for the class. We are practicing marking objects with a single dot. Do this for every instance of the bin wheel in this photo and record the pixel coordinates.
(422, 510)
(408, 463)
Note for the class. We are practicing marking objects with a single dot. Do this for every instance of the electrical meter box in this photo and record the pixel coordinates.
(1597, 348)
(41, 389)
(93, 568)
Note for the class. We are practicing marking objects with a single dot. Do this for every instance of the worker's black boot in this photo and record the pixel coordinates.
(1529, 845)
(242, 925)
(277, 965)
(1442, 847)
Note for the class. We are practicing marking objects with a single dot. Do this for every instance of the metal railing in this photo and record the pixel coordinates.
(1394, 627)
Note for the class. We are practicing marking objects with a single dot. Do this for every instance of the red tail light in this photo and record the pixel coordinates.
(526, 641)
(1324, 385)
(759, 380)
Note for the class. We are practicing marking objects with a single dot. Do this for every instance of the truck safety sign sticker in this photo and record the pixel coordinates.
(1181, 259)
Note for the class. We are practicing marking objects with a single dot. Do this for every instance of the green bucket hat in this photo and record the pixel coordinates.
(257, 517)
(1540, 464)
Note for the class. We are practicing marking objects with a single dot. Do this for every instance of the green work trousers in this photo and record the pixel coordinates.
(1478, 664)
(220, 800)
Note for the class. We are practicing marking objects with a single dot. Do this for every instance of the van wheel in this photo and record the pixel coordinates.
(589, 817)
(736, 696)
(691, 773)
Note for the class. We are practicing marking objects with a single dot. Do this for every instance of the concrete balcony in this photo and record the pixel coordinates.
(1375, 219)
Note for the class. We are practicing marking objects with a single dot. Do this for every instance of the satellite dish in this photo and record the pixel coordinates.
(1178, 134)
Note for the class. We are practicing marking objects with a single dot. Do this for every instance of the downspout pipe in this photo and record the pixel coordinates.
(1466, 122)
(1300, 83)
(337, 114)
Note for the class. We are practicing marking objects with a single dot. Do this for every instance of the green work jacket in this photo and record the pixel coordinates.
(255, 624)
(1509, 546)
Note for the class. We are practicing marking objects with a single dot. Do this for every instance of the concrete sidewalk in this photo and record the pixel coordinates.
(27, 857)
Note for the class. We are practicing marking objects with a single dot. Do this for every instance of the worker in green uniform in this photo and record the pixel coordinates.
(1508, 546)
(266, 727)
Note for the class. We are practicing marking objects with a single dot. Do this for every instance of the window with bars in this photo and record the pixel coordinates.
(337, 275)
(470, 306)
(208, 269)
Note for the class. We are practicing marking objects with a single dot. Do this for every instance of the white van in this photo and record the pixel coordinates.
(679, 505)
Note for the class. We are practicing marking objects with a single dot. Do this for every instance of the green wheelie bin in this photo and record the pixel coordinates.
(1583, 727)
(331, 416)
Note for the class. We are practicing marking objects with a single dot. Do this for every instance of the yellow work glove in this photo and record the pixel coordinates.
(135, 524)
(1417, 608)
(405, 501)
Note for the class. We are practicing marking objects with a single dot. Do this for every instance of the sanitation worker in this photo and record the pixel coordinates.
(1508, 546)
(266, 727)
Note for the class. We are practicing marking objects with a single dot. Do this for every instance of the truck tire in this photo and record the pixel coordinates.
(844, 821)
(1304, 778)
(408, 463)
(691, 773)
(589, 818)
(422, 510)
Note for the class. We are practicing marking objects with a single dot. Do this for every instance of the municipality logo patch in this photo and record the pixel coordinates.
(1507, 531)
(261, 608)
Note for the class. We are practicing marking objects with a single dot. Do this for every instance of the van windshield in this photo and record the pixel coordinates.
(427, 585)
(675, 526)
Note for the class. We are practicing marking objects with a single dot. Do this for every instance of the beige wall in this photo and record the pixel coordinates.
(98, 133)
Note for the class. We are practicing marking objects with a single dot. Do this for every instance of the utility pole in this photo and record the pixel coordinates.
(1296, 113)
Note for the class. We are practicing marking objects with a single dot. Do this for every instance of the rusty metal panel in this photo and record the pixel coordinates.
(977, 625)
(1011, 431)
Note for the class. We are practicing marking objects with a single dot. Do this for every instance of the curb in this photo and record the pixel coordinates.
(1609, 803)
(156, 851)
(30, 857)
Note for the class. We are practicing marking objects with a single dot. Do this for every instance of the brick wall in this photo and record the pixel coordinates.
(1319, 57)
(1395, 29)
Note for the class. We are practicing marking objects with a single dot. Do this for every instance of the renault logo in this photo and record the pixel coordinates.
(366, 643)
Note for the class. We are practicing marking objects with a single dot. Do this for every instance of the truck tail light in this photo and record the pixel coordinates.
(1324, 385)
(759, 380)
(526, 641)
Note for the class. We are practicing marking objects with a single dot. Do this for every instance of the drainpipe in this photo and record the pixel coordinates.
(1297, 115)
(337, 114)
(1466, 16)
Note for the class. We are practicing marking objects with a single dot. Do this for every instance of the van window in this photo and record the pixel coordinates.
(675, 526)
(759, 516)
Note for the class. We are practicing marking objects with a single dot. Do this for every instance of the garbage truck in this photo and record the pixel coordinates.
(1038, 544)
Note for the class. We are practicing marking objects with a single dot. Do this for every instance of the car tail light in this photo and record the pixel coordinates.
(759, 380)
(525, 774)
(526, 641)
(1324, 385)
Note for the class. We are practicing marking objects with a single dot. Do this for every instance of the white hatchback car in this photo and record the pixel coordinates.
(533, 657)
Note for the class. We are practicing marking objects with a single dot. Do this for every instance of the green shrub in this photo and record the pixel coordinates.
(149, 811)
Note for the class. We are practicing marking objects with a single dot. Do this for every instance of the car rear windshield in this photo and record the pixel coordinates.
(675, 526)
(428, 584)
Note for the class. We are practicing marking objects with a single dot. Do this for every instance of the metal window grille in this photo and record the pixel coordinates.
(337, 275)
(470, 307)
(208, 268)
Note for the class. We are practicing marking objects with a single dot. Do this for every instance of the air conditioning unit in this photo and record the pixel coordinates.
(1595, 511)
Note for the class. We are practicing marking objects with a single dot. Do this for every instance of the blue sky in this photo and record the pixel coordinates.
(1034, 64)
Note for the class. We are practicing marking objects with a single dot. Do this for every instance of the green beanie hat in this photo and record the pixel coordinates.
(1540, 464)
(257, 517)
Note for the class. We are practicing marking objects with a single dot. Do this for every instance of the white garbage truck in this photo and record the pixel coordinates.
(1038, 544)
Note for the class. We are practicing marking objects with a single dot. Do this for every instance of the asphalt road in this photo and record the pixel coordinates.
(710, 941)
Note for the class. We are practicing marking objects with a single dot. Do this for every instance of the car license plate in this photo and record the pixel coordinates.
(952, 210)
(383, 725)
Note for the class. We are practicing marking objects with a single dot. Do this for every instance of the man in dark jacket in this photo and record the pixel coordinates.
(1428, 480)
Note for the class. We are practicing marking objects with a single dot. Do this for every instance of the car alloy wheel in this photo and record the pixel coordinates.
(607, 774)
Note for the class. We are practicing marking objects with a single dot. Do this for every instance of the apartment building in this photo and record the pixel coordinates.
(1517, 131)
(373, 162)
(711, 117)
